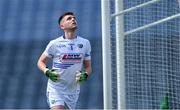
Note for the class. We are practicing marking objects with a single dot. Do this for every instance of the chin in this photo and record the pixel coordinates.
(74, 28)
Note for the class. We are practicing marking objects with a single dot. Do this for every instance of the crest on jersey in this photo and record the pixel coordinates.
(80, 45)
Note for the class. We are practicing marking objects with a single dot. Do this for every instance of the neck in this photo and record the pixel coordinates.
(69, 34)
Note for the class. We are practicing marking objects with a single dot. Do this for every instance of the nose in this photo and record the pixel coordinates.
(73, 19)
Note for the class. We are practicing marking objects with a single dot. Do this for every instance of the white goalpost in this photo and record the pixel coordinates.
(115, 27)
(119, 23)
(106, 54)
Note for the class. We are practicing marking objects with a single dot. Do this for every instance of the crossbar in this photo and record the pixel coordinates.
(134, 8)
(152, 24)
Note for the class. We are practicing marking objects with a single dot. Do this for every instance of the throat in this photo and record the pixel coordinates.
(69, 34)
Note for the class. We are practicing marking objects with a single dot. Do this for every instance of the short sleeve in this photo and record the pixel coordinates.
(88, 51)
(49, 51)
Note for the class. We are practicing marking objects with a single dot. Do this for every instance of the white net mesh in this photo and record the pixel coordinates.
(152, 56)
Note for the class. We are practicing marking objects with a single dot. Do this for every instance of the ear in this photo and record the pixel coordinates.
(61, 26)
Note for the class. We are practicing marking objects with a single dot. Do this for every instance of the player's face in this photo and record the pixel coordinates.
(68, 22)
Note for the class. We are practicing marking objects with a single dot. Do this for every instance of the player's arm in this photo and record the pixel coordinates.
(87, 66)
(83, 75)
(42, 65)
(42, 62)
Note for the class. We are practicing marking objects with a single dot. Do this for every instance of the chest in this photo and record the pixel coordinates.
(69, 47)
(68, 52)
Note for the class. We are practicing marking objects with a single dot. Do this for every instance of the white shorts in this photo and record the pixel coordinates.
(68, 100)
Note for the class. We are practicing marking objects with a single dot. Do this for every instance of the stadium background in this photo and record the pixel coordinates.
(26, 27)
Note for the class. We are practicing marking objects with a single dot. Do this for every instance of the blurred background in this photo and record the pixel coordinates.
(26, 27)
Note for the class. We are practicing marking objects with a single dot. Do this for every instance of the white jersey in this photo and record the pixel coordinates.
(68, 56)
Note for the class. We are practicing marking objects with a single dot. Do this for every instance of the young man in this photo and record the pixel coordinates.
(71, 59)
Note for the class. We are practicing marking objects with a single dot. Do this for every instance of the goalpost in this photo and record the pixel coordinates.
(139, 51)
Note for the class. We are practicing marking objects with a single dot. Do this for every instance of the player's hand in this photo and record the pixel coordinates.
(81, 76)
(52, 74)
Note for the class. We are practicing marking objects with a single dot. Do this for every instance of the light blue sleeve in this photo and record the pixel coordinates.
(88, 51)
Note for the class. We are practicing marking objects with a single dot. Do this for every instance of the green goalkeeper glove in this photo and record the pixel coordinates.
(165, 103)
(81, 76)
(52, 74)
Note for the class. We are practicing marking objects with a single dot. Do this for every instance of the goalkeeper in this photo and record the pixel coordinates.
(71, 64)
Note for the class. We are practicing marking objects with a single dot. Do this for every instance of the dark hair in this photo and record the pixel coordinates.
(63, 15)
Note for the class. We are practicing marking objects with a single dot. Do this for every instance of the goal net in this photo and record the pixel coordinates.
(151, 55)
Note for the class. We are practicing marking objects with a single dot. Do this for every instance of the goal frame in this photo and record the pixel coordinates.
(106, 47)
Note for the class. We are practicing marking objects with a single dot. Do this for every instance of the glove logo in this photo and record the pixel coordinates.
(81, 76)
